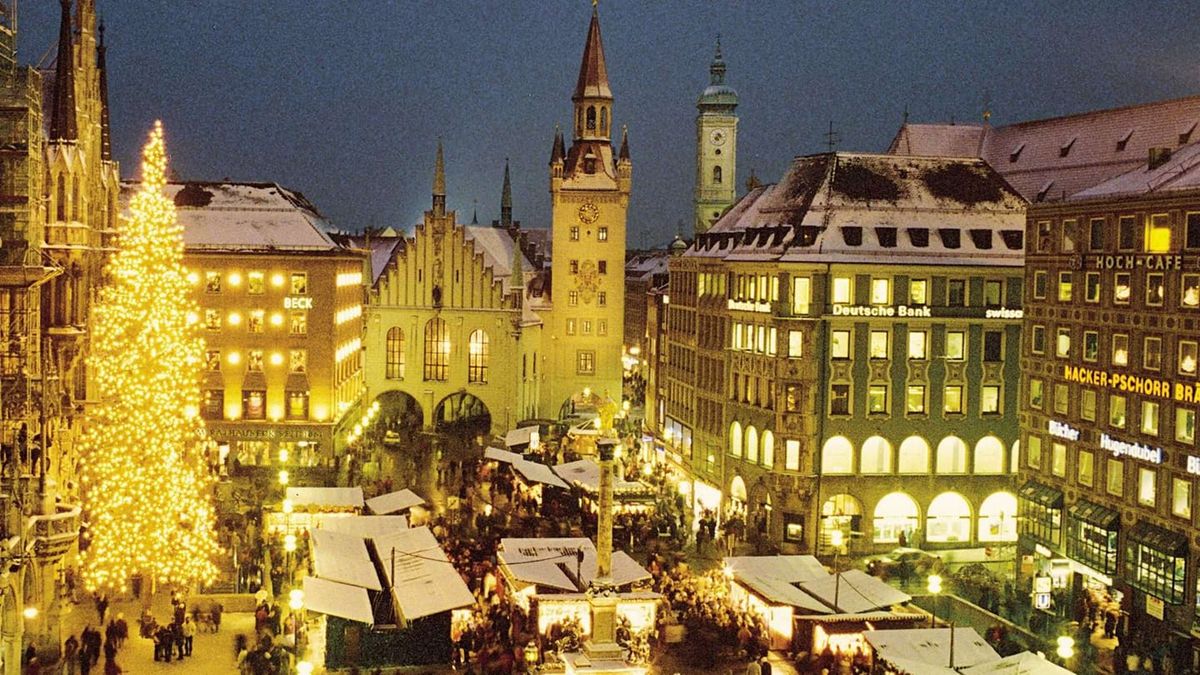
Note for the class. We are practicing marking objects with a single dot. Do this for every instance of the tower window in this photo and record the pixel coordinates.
(591, 118)
(716, 175)
(604, 121)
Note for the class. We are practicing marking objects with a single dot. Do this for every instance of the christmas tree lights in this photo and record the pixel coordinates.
(147, 490)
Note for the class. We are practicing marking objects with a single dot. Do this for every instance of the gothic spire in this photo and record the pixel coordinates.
(560, 149)
(506, 199)
(474, 211)
(593, 74)
(101, 66)
(62, 118)
(623, 155)
(439, 182)
(716, 69)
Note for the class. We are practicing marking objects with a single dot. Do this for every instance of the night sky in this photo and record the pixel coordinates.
(344, 100)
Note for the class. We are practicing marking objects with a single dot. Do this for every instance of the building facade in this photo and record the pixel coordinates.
(716, 147)
(841, 355)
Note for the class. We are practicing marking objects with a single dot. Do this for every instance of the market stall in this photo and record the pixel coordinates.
(918, 651)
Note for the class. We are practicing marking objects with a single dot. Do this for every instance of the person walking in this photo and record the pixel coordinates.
(101, 606)
(71, 655)
(189, 632)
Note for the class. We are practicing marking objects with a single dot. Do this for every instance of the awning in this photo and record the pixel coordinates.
(1042, 494)
(342, 557)
(334, 599)
(326, 497)
(423, 582)
(1159, 539)
(1095, 514)
(394, 502)
(523, 436)
(367, 527)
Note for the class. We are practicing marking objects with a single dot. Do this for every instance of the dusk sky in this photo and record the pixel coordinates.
(344, 101)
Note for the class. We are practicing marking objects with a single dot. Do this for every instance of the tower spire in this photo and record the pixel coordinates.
(102, 67)
(593, 73)
(62, 119)
(439, 181)
(716, 69)
(623, 155)
(506, 199)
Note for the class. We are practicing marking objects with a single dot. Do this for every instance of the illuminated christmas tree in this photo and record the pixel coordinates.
(147, 489)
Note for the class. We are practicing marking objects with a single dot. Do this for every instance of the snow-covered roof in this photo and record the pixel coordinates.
(1021, 663)
(326, 497)
(1180, 172)
(425, 583)
(394, 502)
(501, 455)
(774, 578)
(522, 436)
(586, 474)
(855, 592)
(342, 557)
(874, 209)
(551, 562)
(931, 646)
(342, 600)
(366, 527)
(230, 216)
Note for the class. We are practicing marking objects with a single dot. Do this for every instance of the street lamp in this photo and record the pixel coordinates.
(1066, 647)
(30, 612)
(296, 603)
(304, 668)
(836, 539)
(934, 587)
(283, 477)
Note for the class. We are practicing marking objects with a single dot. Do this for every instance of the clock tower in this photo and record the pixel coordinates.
(589, 196)
(716, 147)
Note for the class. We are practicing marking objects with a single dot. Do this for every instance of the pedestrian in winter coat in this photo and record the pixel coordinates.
(189, 632)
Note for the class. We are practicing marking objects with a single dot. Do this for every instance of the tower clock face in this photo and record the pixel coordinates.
(588, 213)
(717, 137)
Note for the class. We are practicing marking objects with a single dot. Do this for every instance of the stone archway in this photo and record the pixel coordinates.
(462, 414)
(400, 416)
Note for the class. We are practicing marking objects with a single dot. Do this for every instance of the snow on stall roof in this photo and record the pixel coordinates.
(342, 557)
(773, 578)
(501, 455)
(366, 527)
(856, 592)
(336, 599)
(538, 472)
(394, 502)
(424, 582)
(586, 474)
(1021, 663)
(326, 497)
(931, 646)
(522, 436)
(550, 562)
(244, 216)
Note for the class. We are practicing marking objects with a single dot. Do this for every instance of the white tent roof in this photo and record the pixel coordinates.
(538, 472)
(330, 597)
(343, 557)
(857, 592)
(586, 474)
(1022, 663)
(931, 646)
(551, 562)
(394, 502)
(326, 497)
(522, 436)
(773, 578)
(367, 527)
(425, 582)
(501, 455)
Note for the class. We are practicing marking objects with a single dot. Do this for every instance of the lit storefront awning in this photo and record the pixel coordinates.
(1095, 514)
(1159, 539)
(1042, 494)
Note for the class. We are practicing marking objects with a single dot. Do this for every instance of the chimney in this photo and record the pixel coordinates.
(1158, 157)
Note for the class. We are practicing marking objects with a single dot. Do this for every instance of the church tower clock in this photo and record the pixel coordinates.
(589, 195)
(716, 147)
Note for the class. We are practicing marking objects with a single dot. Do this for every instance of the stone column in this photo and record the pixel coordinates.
(605, 448)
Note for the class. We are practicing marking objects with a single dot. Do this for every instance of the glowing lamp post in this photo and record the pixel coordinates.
(296, 603)
(1066, 647)
(934, 586)
(836, 539)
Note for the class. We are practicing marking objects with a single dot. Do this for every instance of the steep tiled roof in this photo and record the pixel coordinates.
(593, 74)
(1180, 172)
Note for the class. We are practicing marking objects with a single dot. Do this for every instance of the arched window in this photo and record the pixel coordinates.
(395, 354)
(591, 118)
(914, 455)
(74, 200)
(840, 513)
(837, 456)
(895, 513)
(989, 455)
(603, 121)
(949, 518)
(768, 449)
(875, 456)
(716, 175)
(752, 445)
(952, 455)
(998, 517)
(437, 351)
(735, 439)
(60, 206)
(1013, 462)
(477, 357)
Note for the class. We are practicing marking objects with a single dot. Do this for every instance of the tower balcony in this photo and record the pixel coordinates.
(54, 534)
(64, 238)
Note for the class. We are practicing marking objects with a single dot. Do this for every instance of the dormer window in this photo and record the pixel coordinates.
(919, 236)
(1045, 190)
(981, 238)
(886, 236)
(1013, 239)
(1016, 152)
(589, 160)
(1066, 148)
(1124, 140)
(852, 236)
(1185, 136)
(951, 238)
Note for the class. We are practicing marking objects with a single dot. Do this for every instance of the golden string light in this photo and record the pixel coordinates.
(147, 490)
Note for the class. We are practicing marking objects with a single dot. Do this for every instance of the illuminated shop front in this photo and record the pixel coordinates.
(1092, 536)
(1041, 510)
(896, 514)
(1156, 562)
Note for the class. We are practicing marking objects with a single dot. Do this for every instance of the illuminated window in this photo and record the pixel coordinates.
(1061, 398)
(1189, 295)
(952, 399)
(1185, 425)
(915, 399)
(587, 326)
(297, 405)
(881, 291)
(989, 399)
(1058, 459)
(254, 320)
(918, 345)
(437, 350)
(837, 456)
(839, 344)
(839, 399)
(1062, 343)
(918, 291)
(1121, 288)
(1068, 235)
(254, 360)
(1152, 353)
(299, 283)
(1036, 393)
(1116, 411)
(1087, 404)
(879, 344)
(1147, 480)
(212, 282)
(802, 294)
(1091, 345)
(956, 345)
(573, 298)
(951, 456)
(214, 404)
(1150, 418)
(298, 324)
(1065, 283)
(571, 327)
(602, 299)
(795, 344)
(877, 403)
(212, 319)
(843, 291)
(1156, 289)
(913, 456)
(1033, 457)
(956, 293)
(1114, 477)
(1039, 284)
(768, 449)
(585, 362)
(212, 360)
(1120, 350)
(875, 456)
(1158, 233)
(791, 460)
(602, 234)
(394, 363)
(1087, 468)
(477, 357)
(1091, 287)
(255, 282)
(1181, 498)
(574, 233)
(993, 293)
(254, 404)
(298, 361)
(602, 327)
(751, 444)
